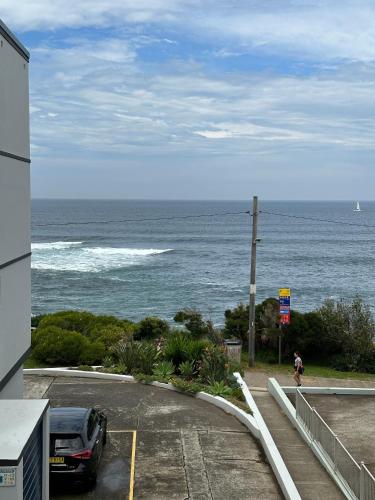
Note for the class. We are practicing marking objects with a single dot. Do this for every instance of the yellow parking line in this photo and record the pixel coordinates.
(120, 431)
(132, 466)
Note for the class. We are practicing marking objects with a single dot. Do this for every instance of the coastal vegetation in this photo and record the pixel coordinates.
(338, 335)
(187, 357)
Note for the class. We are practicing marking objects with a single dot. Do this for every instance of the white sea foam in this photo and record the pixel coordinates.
(73, 257)
(126, 251)
(54, 245)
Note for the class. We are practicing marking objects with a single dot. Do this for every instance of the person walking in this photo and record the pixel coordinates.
(298, 368)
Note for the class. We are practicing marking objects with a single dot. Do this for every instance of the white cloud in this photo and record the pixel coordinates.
(325, 30)
(214, 134)
(95, 96)
(107, 104)
(52, 14)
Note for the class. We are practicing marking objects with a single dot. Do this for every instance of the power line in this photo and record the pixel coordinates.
(331, 221)
(219, 214)
(140, 220)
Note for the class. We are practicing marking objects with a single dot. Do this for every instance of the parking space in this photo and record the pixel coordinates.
(183, 448)
(115, 478)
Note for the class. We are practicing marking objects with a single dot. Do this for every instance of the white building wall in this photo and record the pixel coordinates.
(15, 308)
(14, 314)
(14, 388)
(14, 207)
(14, 101)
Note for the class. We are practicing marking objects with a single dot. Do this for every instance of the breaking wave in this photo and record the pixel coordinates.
(72, 256)
(55, 245)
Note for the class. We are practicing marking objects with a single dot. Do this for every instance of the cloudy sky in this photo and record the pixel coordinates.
(200, 99)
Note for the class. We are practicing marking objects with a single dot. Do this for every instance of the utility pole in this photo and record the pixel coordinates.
(253, 283)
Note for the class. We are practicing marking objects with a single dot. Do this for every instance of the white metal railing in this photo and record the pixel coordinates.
(358, 478)
(367, 489)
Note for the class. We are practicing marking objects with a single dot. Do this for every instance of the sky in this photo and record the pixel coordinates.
(210, 99)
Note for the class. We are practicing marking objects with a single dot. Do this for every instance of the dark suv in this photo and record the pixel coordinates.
(77, 437)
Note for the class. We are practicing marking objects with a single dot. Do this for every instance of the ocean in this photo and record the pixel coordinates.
(157, 267)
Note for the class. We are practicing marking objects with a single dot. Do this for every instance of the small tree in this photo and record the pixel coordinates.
(54, 345)
(348, 332)
(111, 334)
(151, 328)
(194, 323)
(237, 322)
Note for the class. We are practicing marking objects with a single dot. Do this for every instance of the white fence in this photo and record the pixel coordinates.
(358, 478)
(367, 491)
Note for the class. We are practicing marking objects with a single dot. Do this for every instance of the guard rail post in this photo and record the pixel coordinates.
(334, 452)
(362, 482)
(313, 424)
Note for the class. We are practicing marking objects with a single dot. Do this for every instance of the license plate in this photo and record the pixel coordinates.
(56, 460)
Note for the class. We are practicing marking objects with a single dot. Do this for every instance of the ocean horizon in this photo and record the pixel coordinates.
(155, 267)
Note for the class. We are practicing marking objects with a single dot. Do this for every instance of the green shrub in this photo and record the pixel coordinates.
(92, 352)
(78, 321)
(216, 336)
(367, 362)
(108, 361)
(137, 356)
(111, 334)
(194, 323)
(151, 328)
(238, 394)
(126, 353)
(35, 320)
(186, 369)
(239, 403)
(196, 348)
(88, 324)
(147, 379)
(220, 389)
(237, 323)
(348, 330)
(214, 365)
(177, 348)
(187, 386)
(148, 356)
(181, 347)
(164, 369)
(119, 369)
(85, 368)
(234, 366)
(54, 346)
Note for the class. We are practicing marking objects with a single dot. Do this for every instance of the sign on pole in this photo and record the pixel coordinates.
(284, 306)
(284, 312)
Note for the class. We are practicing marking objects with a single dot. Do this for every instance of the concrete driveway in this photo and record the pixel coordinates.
(182, 448)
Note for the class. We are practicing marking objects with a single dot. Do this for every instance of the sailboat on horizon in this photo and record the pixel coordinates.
(358, 208)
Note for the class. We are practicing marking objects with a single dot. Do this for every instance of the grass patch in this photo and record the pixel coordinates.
(241, 404)
(311, 370)
(30, 362)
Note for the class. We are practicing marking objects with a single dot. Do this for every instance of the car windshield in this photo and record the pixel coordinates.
(66, 443)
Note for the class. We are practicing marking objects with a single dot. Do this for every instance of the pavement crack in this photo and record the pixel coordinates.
(184, 464)
(204, 463)
(48, 388)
